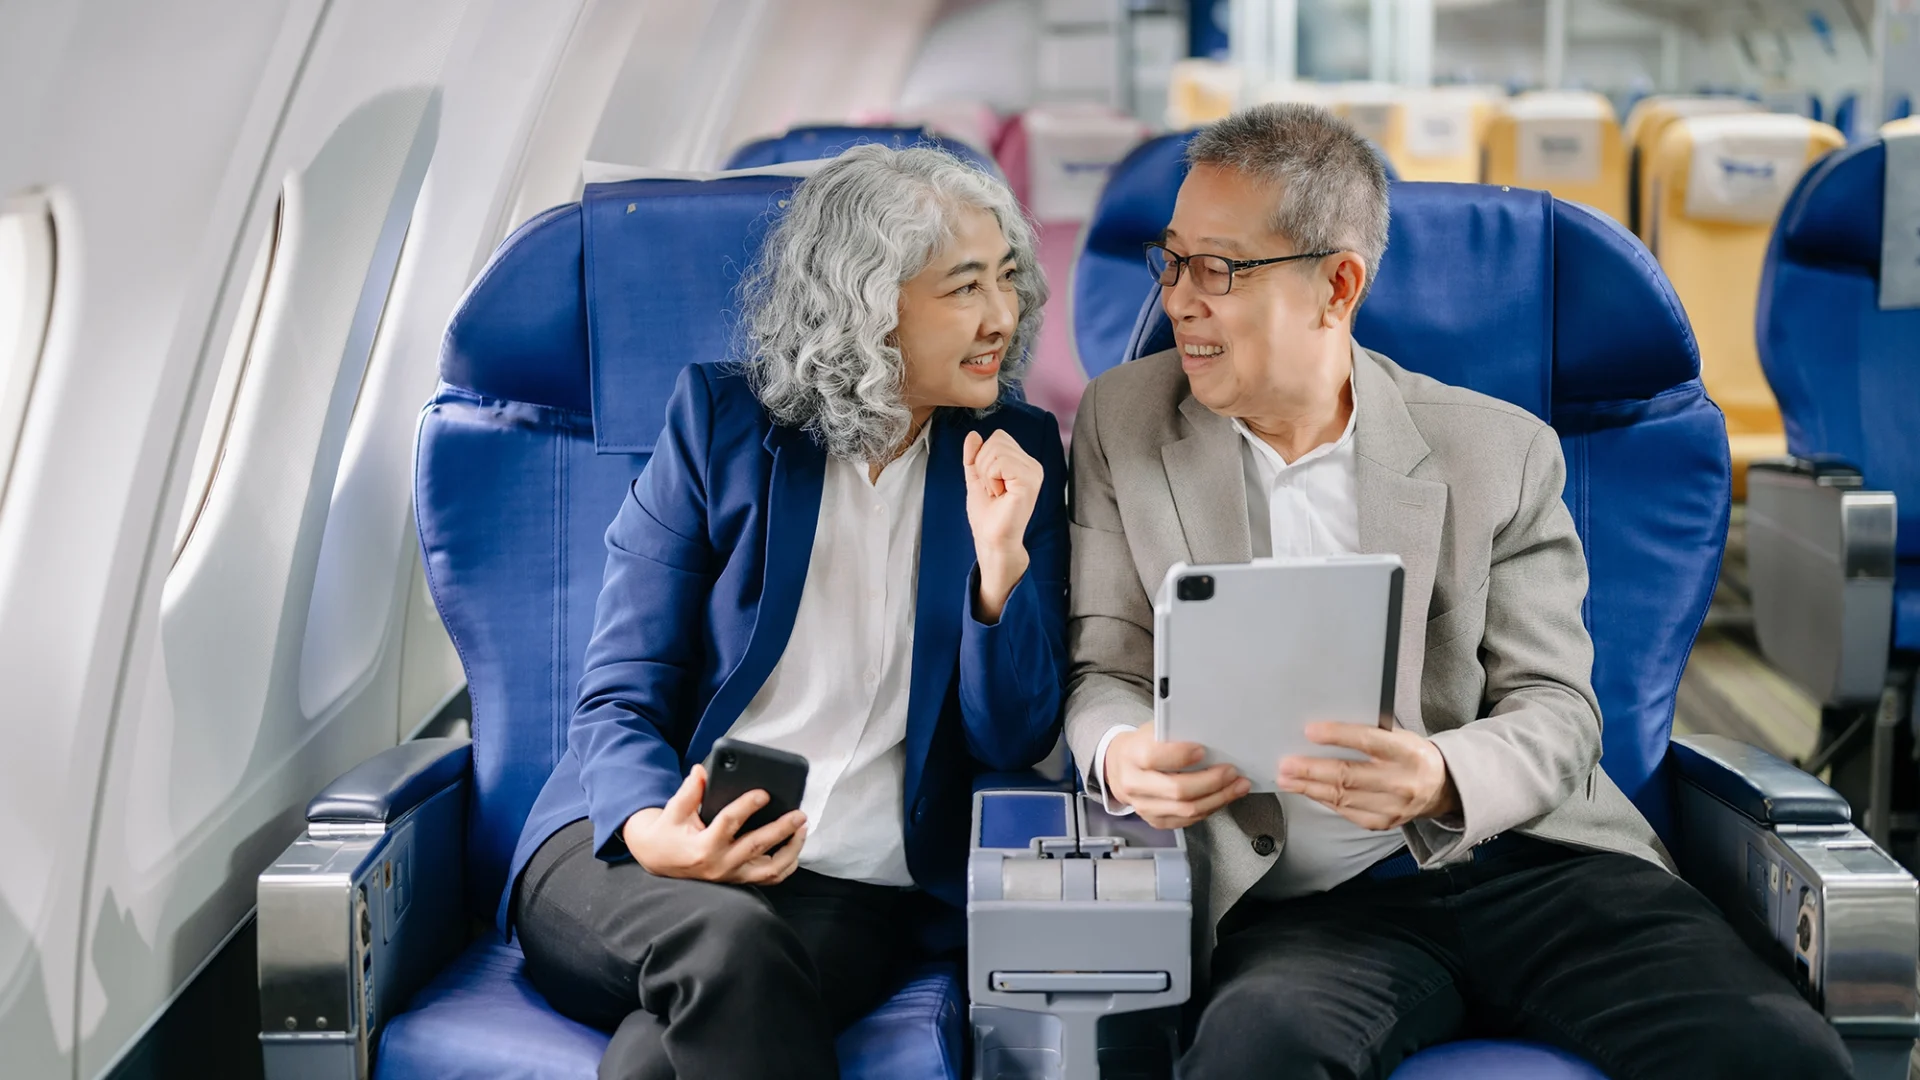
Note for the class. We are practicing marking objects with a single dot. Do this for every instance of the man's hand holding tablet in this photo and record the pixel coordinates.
(1403, 779)
(1149, 775)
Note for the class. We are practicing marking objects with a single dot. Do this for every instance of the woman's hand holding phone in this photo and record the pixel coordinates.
(672, 841)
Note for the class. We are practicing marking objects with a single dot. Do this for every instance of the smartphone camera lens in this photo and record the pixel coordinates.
(1194, 587)
(727, 760)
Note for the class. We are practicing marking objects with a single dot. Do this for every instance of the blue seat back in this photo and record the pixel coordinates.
(1558, 309)
(1844, 111)
(827, 140)
(1846, 373)
(1110, 276)
(554, 374)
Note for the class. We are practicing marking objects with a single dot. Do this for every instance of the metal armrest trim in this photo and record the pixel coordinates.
(1823, 469)
(1760, 786)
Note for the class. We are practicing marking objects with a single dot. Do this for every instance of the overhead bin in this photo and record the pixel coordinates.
(1715, 187)
(1565, 142)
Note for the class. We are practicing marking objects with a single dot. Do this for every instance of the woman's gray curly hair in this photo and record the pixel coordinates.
(824, 300)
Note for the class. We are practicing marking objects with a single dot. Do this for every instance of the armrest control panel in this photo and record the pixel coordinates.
(1074, 917)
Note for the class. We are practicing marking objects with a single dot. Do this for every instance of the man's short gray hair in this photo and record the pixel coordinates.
(823, 303)
(1332, 186)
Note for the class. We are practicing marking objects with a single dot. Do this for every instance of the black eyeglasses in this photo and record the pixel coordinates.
(1212, 274)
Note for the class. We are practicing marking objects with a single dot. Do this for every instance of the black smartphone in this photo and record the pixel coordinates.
(735, 767)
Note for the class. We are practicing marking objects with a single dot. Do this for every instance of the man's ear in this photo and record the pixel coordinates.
(1348, 278)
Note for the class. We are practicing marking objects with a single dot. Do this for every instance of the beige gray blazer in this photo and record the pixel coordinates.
(1495, 663)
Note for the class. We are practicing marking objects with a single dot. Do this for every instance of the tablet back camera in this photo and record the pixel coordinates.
(1195, 587)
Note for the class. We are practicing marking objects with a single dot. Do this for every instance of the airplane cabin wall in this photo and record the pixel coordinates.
(166, 720)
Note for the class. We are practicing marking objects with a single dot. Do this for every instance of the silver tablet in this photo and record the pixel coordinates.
(1246, 655)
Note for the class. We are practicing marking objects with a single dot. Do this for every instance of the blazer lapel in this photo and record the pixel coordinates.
(1209, 488)
(946, 566)
(793, 515)
(1399, 514)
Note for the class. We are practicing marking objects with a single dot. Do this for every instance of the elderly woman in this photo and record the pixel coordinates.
(851, 546)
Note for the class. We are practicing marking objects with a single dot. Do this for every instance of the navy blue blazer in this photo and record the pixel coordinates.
(705, 564)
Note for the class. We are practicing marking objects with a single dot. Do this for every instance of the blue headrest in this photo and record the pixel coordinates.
(828, 140)
(596, 306)
(1843, 113)
(1518, 295)
(1834, 214)
(1110, 276)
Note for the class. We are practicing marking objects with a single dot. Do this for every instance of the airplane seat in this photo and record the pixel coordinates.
(1564, 142)
(1649, 121)
(553, 390)
(1441, 133)
(1844, 111)
(972, 122)
(1715, 186)
(1834, 532)
(1110, 278)
(1068, 151)
(1200, 91)
(812, 142)
(1553, 307)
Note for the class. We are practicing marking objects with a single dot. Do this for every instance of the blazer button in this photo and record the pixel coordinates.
(920, 811)
(1263, 845)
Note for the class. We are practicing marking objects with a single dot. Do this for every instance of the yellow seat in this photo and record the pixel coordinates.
(1201, 91)
(1647, 122)
(1906, 125)
(1716, 185)
(1565, 142)
(1439, 134)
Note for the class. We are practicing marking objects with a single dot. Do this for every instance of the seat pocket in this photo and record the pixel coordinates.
(1470, 614)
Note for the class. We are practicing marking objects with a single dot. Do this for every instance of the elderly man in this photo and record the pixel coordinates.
(1477, 872)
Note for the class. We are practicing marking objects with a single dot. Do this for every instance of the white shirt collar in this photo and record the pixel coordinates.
(1280, 464)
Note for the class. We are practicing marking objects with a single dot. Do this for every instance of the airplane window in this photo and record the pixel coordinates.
(26, 301)
(226, 386)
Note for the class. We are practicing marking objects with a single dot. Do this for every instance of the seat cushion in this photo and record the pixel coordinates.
(1495, 1059)
(1906, 606)
(481, 1018)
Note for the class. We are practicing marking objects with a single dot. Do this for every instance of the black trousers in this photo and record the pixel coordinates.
(1603, 955)
(700, 980)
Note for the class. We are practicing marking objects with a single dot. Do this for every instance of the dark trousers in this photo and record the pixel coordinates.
(700, 980)
(1606, 956)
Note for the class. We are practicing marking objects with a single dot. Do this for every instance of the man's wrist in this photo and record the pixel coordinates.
(1444, 803)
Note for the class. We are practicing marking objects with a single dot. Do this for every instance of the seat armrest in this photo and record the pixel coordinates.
(389, 784)
(1825, 469)
(1073, 917)
(1024, 780)
(360, 911)
(1820, 565)
(1775, 851)
(1764, 788)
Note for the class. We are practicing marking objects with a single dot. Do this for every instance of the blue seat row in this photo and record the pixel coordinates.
(576, 327)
